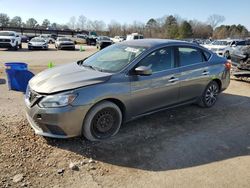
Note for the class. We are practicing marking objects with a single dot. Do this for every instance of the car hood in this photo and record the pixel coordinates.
(37, 43)
(7, 37)
(216, 47)
(65, 42)
(66, 77)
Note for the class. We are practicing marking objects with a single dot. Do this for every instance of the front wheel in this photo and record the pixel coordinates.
(102, 121)
(227, 55)
(210, 95)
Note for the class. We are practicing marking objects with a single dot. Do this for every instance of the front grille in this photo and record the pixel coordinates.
(32, 96)
(67, 44)
(4, 40)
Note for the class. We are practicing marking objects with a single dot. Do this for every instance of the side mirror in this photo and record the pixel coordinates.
(143, 71)
(17, 35)
(234, 45)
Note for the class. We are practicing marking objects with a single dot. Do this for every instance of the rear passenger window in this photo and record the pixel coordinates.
(189, 56)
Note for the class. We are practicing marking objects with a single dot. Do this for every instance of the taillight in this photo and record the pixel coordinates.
(228, 65)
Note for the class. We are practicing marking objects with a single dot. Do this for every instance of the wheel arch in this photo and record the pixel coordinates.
(218, 81)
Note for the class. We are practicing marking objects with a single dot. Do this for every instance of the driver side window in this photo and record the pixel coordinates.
(159, 60)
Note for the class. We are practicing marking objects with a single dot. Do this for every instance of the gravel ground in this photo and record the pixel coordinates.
(183, 147)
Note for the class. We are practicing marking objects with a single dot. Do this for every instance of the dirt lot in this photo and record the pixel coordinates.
(183, 147)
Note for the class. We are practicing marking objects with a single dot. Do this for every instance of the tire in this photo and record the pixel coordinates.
(227, 55)
(210, 95)
(102, 121)
(15, 48)
(20, 46)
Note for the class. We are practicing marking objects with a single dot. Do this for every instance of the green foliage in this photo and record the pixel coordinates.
(31, 23)
(171, 27)
(185, 30)
(4, 20)
(230, 31)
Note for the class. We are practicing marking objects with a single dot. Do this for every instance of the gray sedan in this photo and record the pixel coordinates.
(64, 43)
(94, 96)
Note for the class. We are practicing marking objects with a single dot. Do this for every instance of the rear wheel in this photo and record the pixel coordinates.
(102, 121)
(210, 95)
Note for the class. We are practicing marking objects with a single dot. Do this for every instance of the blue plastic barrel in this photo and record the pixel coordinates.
(18, 76)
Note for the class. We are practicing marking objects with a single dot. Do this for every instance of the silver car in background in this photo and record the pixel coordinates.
(64, 43)
(92, 97)
(37, 43)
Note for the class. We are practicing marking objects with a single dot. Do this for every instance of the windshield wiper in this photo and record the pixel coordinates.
(90, 66)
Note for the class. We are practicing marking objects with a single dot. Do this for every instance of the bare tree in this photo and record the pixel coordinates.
(98, 25)
(115, 28)
(215, 19)
(82, 22)
(72, 23)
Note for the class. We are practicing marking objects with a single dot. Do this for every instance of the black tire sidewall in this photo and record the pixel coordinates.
(203, 99)
(87, 124)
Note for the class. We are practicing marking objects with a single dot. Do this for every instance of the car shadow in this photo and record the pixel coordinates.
(174, 139)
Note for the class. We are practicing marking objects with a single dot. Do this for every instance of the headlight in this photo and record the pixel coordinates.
(54, 101)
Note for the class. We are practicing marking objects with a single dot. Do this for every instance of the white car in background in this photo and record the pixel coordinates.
(117, 39)
(10, 40)
(134, 36)
(49, 39)
(220, 47)
(38, 43)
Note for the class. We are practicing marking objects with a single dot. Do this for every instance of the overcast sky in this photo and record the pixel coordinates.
(126, 11)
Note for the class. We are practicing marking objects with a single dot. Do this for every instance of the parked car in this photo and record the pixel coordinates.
(38, 43)
(92, 97)
(64, 43)
(91, 38)
(102, 42)
(134, 36)
(238, 51)
(219, 46)
(10, 40)
(118, 39)
(48, 38)
(24, 38)
(80, 39)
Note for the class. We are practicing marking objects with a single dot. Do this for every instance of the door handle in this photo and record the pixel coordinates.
(205, 73)
(173, 79)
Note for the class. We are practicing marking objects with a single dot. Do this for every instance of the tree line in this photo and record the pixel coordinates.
(172, 27)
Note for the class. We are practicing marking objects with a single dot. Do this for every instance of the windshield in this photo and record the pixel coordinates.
(113, 58)
(64, 39)
(37, 40)
(221, 43)
(7, 34)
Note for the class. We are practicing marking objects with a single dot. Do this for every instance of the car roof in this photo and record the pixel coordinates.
(153, 42)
